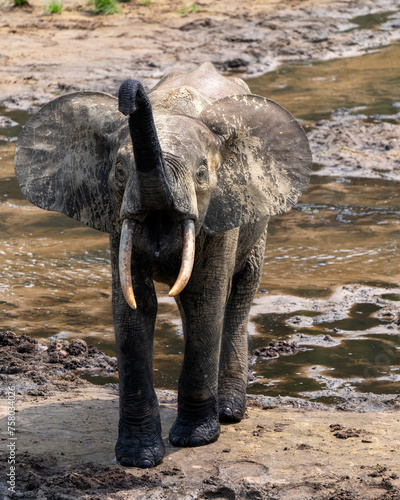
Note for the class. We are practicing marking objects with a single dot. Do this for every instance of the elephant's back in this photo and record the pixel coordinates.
(206, 80)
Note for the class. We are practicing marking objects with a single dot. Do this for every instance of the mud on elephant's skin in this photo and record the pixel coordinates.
(184, 179)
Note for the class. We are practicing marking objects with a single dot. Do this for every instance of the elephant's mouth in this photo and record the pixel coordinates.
(157, 225)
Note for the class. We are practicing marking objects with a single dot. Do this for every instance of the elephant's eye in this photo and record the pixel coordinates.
(202, 174)
(120, 174)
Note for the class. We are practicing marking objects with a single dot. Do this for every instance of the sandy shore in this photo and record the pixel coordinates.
(65, 451)
(43, 55)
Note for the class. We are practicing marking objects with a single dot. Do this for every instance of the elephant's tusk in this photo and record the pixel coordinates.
(125, 256)
(187, 258)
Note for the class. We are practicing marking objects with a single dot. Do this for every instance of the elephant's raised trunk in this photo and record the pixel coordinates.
(133, 101)
(125, 256)
(149, 162)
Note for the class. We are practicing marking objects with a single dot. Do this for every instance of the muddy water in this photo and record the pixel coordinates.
(369, 84)
(55, 275)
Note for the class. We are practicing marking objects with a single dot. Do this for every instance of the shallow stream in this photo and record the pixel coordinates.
(55, 274)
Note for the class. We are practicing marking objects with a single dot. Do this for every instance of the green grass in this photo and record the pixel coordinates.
(188, 9)
(105, 7)
(54, 7)
(142, 2)
(20, 3)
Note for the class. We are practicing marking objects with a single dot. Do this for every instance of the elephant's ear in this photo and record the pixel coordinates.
(62, 158)
(266, 161)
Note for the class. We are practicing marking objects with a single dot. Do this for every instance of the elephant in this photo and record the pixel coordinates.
(184, 178)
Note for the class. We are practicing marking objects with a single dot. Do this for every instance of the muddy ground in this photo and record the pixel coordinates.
(285, 448)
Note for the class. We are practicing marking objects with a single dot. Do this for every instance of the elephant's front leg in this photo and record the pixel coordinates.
(233, 367)
(139, 438)
(202, 304)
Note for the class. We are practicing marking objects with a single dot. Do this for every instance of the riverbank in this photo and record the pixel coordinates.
(44, 55)
(65, 450)
(284, 448)
(281, 450)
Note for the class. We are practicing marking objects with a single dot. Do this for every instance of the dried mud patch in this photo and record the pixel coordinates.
(39, 370)
(350, 146)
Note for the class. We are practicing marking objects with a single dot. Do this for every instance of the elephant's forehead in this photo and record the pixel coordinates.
(182, 135)
(181, 101)
(126, 146)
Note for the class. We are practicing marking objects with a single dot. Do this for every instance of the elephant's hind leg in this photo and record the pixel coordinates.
(233, 366)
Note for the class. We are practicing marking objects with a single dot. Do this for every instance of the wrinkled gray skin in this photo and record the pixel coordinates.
(217, 156)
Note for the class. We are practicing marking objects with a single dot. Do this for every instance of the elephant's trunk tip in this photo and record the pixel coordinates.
(129, 92)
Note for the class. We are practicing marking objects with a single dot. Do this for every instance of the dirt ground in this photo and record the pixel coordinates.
(65, 451)
(66, 428)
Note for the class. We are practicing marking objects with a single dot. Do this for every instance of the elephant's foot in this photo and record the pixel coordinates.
(229, 414)
(142, 451)
(186, 432)
(232, 406)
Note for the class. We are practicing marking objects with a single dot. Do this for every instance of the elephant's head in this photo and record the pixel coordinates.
(197, 162)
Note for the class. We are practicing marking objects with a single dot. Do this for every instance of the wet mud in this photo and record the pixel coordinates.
(348, 146)
(346, 347)
(277, 348)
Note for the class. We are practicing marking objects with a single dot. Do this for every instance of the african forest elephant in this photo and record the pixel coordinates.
(188, 205)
